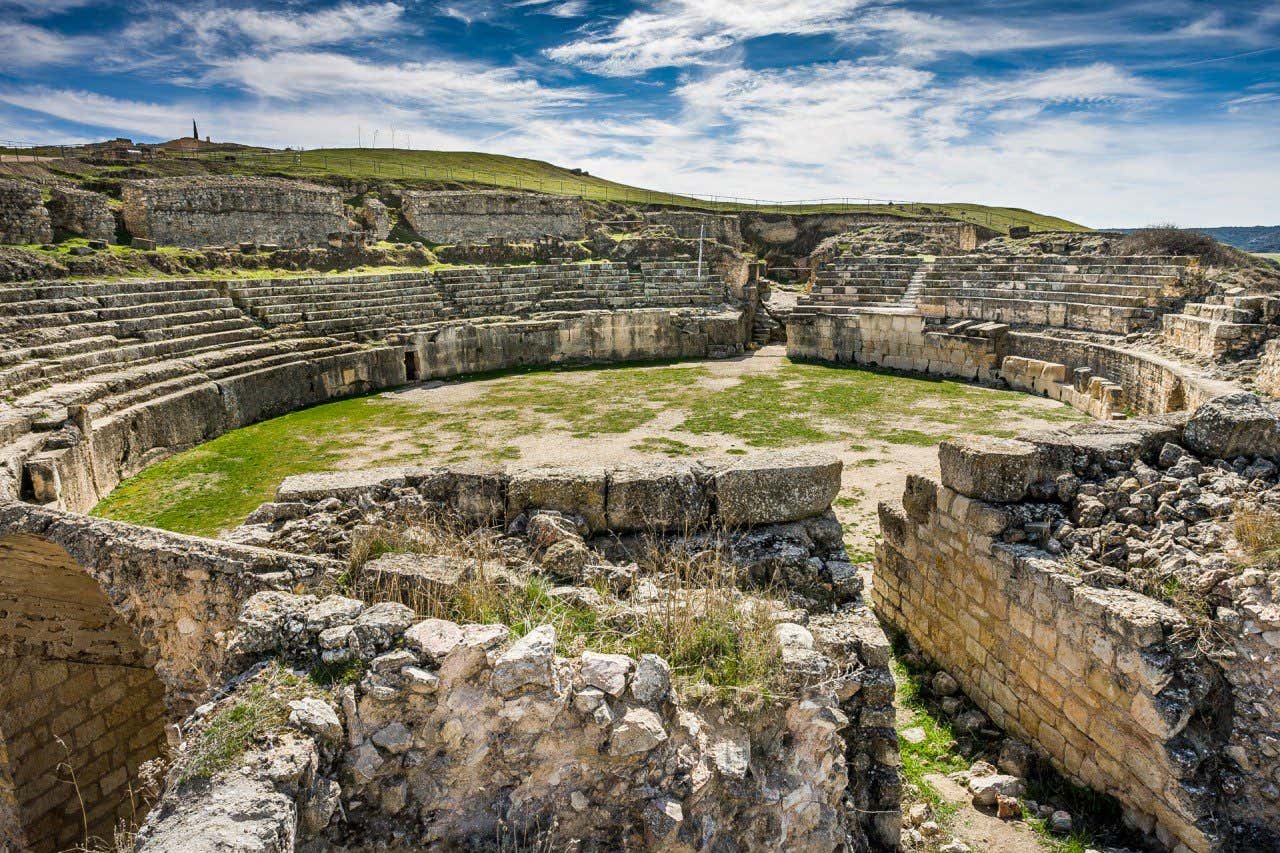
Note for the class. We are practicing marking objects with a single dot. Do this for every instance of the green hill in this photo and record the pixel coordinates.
(496, 170)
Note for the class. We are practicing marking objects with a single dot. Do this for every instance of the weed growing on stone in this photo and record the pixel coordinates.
(933, 754)
(256, 715)
(1258, 532)
(716, 640)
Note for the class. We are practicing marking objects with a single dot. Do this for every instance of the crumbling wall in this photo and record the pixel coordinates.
(1268, 378)
(23, 216)
(458, 734)
(689, 225)
(1010, 574)
(468, 216)
(221, 210)
(455, 732)
(83, 213)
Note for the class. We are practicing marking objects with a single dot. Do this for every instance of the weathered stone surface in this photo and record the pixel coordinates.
(414, 579)
(82, 213)
(317, 717)
(652, 681)
(468, 216)
(639, 731)
(573, 491)
(986, 789)
(23, 217)
(658, 497)
(776, 487)
(607, 672)
(1231, 426)
(529, 662)
(989, 469)
(218, 210)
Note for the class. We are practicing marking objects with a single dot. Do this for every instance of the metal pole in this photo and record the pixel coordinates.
(702, 235)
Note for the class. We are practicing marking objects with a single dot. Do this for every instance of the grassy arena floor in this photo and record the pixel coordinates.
(883, 426)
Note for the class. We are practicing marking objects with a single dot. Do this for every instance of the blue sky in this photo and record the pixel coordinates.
(1110, 113)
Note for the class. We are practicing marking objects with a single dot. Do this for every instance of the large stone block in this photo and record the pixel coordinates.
(574, 491)
(776, 487)
(670, 496)
(1234, 425)
(989, 469)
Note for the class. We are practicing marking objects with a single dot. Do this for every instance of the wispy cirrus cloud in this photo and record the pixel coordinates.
(689, 32)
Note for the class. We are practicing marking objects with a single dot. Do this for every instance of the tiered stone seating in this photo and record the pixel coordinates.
(374, 306)
(1102, 294)
(1221, 325)
(113, 345)
(849, 282)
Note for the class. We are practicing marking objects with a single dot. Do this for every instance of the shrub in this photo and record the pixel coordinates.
(1169, 239)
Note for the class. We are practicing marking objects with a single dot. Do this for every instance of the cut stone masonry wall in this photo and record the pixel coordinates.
(220, 210)
(109, 631)
(23, 216)
(1104, 681)
(85, 214)
(470, 216)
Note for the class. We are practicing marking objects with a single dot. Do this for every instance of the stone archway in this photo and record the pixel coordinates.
(81, 707)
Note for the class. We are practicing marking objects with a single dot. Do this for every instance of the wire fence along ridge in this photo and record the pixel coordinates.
(317, 162)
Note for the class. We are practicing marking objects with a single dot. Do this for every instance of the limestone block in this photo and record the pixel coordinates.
(1234, 425)
(776, 487)
(573, 491)
(657, 497)
(989, 469)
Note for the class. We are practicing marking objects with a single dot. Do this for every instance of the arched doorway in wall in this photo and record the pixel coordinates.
(81, 707)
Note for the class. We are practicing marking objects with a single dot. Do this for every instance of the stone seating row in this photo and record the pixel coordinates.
(1108, 294)
(351, 306)
(115, 345)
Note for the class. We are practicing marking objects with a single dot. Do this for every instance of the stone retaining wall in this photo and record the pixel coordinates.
(122, 444)
(596, 336)
(471, 216)
(1107, 683)
(85, 214)
(1150, 384)
(1101, 380)
(221, 210)
(23, 217)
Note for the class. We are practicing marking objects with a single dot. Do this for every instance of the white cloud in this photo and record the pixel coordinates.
(448, 87)
(212, 27)
(25, 46)
(689, 32)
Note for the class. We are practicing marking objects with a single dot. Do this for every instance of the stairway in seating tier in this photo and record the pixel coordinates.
(1107, 294)
(1221, 325)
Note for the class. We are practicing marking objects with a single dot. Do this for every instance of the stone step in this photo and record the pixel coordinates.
(1044, 294)
(142, 310)
(1222, 313)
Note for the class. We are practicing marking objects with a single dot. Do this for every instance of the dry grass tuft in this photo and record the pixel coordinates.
(1258, 532)
(718, 641)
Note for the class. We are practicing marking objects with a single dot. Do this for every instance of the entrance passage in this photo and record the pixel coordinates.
(80, 709)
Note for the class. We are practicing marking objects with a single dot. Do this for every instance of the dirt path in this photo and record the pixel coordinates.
(980, 830)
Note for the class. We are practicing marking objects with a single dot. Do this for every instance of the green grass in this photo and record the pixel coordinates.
(254, 716)
(933, 755)
(214, 486)
(1271, 256)
(496, 170)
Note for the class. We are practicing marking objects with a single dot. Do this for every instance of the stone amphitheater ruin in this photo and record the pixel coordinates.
(467, 655)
